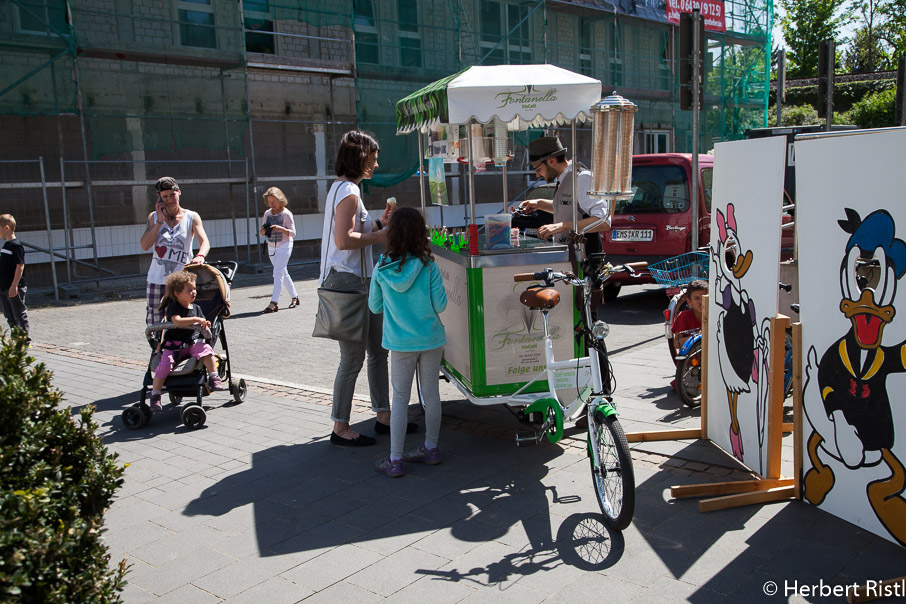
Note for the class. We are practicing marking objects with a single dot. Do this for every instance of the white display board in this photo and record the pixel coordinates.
(513, 333)
(456, 316)
(852, 222)
(745, 256)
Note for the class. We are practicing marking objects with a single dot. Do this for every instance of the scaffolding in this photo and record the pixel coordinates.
(271, 85)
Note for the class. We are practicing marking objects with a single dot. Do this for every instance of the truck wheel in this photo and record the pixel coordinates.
(611, 291)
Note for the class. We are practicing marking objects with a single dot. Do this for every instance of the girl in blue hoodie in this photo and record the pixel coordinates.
(407, 287)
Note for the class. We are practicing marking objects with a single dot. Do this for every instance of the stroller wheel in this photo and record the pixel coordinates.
(193, 417)
(238, 389)
(146, 411)
(133, 418)
(174, 399)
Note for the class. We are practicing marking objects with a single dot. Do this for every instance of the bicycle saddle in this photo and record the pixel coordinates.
(540, 297)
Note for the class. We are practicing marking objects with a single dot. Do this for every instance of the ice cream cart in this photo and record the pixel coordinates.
(493, 342)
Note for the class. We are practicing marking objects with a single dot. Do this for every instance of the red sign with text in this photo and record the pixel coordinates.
(712, 11)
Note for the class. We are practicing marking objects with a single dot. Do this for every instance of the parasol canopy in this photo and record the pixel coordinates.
(522, 95)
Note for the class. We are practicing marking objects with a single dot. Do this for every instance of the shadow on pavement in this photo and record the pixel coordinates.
(244, 315)
(310, 497)
(583, 541)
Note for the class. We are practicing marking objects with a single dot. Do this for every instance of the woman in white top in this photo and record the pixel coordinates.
(278, 226)
(347, 231)
(170, 232)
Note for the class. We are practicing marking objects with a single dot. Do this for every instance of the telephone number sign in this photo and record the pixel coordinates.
(712, 11)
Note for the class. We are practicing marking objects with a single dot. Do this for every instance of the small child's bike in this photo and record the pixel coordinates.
(588, 382)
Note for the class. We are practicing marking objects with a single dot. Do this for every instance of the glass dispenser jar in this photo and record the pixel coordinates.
(613, 121)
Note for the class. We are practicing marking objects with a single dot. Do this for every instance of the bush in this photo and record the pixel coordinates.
(846, 94)
(800, 115)
(56, 482)
(875, 110)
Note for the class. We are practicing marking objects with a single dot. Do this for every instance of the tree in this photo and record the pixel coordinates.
(894, 34)
(804, 24)
(866, 53)
(868, 50)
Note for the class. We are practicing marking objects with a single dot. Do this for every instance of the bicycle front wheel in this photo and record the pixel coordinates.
(613, 478)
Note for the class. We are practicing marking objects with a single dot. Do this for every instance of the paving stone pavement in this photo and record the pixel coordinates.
(257, 506)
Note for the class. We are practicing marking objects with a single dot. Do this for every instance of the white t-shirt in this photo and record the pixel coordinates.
(346, 261)
(563, 199)
(172, 249)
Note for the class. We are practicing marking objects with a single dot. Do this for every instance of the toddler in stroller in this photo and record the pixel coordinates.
(185, 339)
(183, 363)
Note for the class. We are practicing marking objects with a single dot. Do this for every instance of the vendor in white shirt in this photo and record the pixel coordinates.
(548, 158)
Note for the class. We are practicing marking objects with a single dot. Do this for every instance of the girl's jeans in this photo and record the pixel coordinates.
(403, 369)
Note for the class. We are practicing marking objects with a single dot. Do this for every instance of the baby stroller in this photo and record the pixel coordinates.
(189, 377)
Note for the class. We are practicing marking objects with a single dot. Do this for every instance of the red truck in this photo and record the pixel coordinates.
(656, 223)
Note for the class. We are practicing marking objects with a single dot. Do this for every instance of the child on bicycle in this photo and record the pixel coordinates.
(408, 289)
(691, 318)
(183, 341)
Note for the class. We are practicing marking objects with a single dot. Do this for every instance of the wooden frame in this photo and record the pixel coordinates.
(772, 486)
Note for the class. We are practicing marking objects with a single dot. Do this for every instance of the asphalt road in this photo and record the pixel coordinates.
(277, 346)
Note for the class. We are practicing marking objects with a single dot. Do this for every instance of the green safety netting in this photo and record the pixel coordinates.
(396, 56)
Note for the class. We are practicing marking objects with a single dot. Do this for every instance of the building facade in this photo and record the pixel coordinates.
(99, 98)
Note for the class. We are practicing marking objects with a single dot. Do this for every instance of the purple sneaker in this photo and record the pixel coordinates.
(215, 383)
(423, 455)
(155, 404)
(391, 467)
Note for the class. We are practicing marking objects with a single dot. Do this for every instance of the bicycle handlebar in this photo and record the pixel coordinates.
(549, 275)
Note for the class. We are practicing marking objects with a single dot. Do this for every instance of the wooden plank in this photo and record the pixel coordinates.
(725, 488)
(787, 427)
(867, 592)
(638, 437)
(797, 407)
(774, 418)
(741, 499)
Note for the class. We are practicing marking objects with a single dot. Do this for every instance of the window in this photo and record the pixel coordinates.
(707, 184)
(586, 46)
(366, 34)
(257, 15)
(664, 73)
(505, 33)
(41, 17)
(196, 23)
(656, 190)
(616, 58)
(652, 141)
(409, 36)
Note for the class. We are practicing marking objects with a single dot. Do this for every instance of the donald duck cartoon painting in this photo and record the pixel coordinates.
(845, 394)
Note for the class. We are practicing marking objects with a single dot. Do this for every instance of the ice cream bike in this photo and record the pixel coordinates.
(508, 343)
(492, 342)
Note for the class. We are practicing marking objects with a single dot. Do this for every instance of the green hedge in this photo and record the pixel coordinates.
(875, 110)
(846, 94)
(56, 481)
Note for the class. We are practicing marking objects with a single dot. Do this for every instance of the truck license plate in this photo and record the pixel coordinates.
(632, 235)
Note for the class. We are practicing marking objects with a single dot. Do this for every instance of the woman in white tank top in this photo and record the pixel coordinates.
(169, 235)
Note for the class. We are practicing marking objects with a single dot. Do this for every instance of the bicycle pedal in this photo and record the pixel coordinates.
(524, 439)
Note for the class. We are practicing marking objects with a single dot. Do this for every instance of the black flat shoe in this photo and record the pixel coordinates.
(380, 428)
(359, 441)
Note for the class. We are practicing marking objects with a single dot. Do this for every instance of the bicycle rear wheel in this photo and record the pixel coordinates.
(613, 479)
(689, 377)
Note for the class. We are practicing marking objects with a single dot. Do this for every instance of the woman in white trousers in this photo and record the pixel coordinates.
(278, 227)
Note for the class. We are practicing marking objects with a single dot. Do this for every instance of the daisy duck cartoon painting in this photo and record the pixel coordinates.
(742, 340)
(851, 429)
